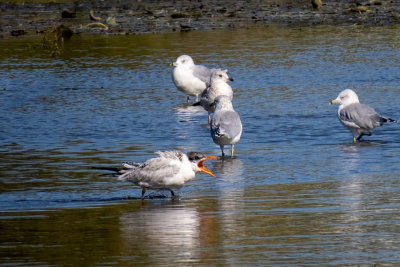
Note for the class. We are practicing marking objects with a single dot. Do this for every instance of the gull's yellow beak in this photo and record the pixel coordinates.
(201, 167)
(333, 101)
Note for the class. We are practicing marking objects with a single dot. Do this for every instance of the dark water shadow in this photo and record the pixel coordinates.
(90, 202)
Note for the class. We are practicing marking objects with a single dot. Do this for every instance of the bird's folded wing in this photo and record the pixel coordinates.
(226, 123)
(361, 115)
(202, 72)
(152, 172)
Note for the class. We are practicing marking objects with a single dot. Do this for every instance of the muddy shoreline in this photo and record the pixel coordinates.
(147, 16)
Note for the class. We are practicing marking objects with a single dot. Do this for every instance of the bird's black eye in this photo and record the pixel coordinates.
(220, 75)
(195, 156)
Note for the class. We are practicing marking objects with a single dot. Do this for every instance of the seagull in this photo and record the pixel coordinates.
(226, 127)
(170, 170)
(218, 86)
(359, 118)
(189, 78)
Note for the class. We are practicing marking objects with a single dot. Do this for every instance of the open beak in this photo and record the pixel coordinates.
(333, 101)
(173, 64)
(201, 167)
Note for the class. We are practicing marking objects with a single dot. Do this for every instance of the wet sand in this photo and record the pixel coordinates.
(133, 17)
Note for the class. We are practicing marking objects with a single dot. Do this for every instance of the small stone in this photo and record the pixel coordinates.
(68, 15)
(316, 4)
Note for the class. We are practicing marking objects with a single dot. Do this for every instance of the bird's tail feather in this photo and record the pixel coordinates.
(121, 172)
(390, 120)
(130, 165)
(128, 168)
(218, 132)
(113, 169)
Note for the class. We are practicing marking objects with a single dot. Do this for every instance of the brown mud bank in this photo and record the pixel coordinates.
(148, 16)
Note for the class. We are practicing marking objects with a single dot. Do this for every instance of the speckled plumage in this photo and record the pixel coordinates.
(218, 87)
(170, 170)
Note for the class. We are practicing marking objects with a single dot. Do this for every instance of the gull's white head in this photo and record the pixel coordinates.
(183, 60)
(346, 97)
(220, 75)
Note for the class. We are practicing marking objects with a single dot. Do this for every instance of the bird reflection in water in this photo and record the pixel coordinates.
(161, 230)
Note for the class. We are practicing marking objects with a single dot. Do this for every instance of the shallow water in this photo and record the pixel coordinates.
(298, 192)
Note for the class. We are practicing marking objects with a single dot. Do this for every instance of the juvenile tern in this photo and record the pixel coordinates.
(358, 118)
(226, 127)
(170, 170)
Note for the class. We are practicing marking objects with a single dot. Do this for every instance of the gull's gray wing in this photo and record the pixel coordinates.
(202, 72)
(226, 123)
(361, 116)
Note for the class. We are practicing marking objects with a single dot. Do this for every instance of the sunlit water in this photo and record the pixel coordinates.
(298, 192)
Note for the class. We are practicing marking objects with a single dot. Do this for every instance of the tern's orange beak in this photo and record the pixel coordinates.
(201, 167)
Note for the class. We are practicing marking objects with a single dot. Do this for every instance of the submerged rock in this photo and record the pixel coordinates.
(316, 4)
(111, 21)
(17, 32)
(68, 15)
(63, 32)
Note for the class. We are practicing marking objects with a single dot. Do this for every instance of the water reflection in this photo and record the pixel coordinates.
(230, 174)
(351, 189)
(170, 230)
(364, 196)
(191, 127)
(189, 112)
(231, 186)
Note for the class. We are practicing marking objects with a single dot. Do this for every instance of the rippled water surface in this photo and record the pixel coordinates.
(298, 192)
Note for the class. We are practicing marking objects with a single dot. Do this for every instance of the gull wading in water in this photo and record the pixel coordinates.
(170, 170)
(226, 127)
(359, 118)
(218, 86)
(189, 78)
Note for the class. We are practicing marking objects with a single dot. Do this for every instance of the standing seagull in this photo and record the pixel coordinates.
(359, 118)
(218, 86)
(189, 78)
(170, 170)
(226, 127)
